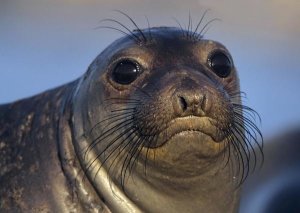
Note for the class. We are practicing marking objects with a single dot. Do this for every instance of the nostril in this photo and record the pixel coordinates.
(183, 103)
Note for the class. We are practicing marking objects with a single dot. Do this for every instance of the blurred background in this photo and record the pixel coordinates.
(44, 44)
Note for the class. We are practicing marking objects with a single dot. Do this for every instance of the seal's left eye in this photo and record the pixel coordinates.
(220, 63)
(125, 72)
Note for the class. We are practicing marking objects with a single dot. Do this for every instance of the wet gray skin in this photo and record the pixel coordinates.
(154, 125)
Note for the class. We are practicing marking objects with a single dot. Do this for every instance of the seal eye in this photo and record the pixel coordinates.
(126, 72)
(220, 64)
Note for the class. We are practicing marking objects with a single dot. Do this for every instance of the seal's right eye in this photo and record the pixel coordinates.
(125, 72)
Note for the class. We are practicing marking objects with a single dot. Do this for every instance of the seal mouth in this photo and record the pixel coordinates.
(189, 125)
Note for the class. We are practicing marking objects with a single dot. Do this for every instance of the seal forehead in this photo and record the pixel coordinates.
(163, 42)
(174, 36)
(158, 36)
(169, 39)
(163, 45)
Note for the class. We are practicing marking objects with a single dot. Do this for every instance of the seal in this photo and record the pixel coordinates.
(156, 124)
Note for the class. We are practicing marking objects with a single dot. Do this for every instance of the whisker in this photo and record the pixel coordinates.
(149, 28)
(123, 109)
(115, 139)
(181, 28)
(131, 36)
(246, 143)
(189, 28)
(244, 169)
(206, 25)
(119, 116)
(133, 22)
(200, 22)
(106, 134)
(127, 160)
(121, 147)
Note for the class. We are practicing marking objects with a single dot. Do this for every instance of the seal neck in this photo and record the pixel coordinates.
(85, 198)
(213, 191)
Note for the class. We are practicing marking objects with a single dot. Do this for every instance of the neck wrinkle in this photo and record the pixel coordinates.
(84, 198)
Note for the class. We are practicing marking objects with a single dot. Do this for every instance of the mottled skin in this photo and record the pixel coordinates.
(33, 177)
(43, 138)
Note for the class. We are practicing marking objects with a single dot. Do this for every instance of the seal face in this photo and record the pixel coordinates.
(166, 114)
(161, 92)
(155, 125)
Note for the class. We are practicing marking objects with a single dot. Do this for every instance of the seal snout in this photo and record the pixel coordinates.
(189, 100)
(190, 103)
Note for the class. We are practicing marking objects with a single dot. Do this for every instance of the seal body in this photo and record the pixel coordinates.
(29, 154)
(32, 177)
(154, 125)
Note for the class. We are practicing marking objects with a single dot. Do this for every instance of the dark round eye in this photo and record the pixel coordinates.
(220, 64)
(125, 72)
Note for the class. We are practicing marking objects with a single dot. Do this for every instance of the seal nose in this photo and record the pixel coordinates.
(195, 103)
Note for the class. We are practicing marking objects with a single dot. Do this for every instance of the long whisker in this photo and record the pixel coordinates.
(200, 22)
(118, 116)
(206, 25)
(244, 134)
(133, 22)
(127, 141)
(131, 35)
(180, 26)
(107, 133)
(115, 139)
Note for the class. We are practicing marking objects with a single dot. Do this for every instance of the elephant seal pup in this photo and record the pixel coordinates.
(155, 125)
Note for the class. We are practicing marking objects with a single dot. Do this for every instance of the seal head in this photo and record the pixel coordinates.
(161, 112)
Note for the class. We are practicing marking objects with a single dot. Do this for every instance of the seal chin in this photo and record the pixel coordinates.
(189, 125)
(186, 154)
(187, 147)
